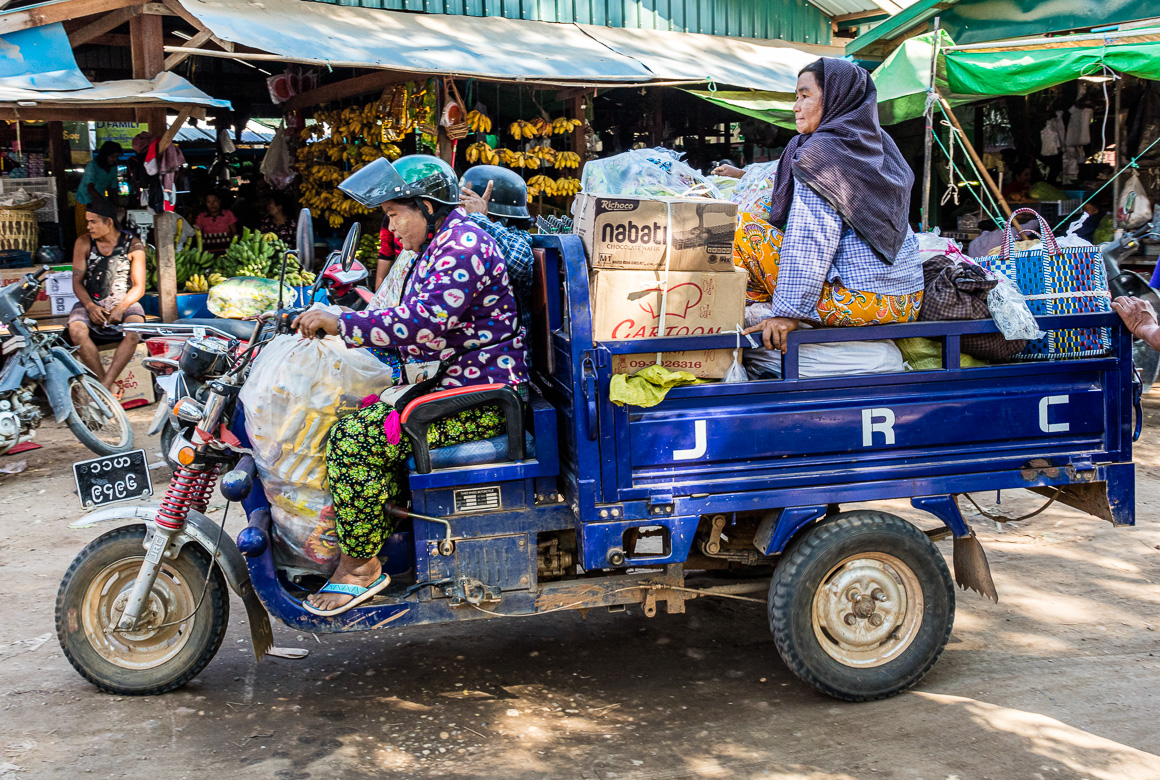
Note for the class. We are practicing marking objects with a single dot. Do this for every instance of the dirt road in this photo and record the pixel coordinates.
(1061, 679)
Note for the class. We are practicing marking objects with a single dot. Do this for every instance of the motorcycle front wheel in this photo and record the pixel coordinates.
(98, 420)
(180, 629)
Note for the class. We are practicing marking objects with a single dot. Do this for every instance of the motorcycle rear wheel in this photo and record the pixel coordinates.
(98, 420)
(176, 638)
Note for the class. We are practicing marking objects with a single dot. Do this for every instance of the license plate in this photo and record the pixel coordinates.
(112, 478)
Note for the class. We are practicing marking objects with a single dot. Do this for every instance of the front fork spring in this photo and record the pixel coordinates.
(190, 489)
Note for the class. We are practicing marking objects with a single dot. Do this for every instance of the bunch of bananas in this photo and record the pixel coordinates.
(564, 125)
(479, 122)
(520, 129)
(193, 260)
(253, 254)
(480, 152)
(567, 160)
(541, 184)
(197, 283)
(513, 159)
(545, 154)
(367, 252)
(215, 278)
(566, 186)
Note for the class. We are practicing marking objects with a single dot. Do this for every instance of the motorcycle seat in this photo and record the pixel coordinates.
(239, 329)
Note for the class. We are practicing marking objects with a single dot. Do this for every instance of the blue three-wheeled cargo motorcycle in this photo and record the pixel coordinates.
(652, 507)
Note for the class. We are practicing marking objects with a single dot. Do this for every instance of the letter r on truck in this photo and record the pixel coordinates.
(877, 421)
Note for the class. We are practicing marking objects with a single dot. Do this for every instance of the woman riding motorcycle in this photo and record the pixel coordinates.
(457, 308)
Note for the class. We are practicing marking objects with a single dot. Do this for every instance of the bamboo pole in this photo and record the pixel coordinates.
(1118, 186)
(928, 139)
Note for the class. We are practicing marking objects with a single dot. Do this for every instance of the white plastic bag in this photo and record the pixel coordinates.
(296, 391)
(246, 296)
(736, 372)
(754, 190)
(276, 165)
(646, 173)
(1010, 311)
(1141, 210)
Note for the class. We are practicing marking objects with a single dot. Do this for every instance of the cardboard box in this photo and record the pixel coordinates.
(39, 309)
(632, 233)
(627, 305)
(135, 381)
(59, 283)
(61, 305)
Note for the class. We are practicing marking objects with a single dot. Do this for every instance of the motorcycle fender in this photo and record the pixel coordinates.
(56, 388)
(13, 375)
(160, 417)
(205, 532)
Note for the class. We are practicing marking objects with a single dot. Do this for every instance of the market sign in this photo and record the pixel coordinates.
(76, 135)
(122, 133)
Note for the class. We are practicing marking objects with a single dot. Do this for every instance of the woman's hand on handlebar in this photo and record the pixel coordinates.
(316, 324)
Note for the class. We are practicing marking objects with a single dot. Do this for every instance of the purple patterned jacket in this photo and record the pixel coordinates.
(459, 298)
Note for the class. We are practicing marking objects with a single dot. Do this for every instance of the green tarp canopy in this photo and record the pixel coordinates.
(1020, 67)
(976, 72)
(902, 82)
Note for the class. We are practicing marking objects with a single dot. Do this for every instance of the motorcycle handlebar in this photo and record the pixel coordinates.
(41, 272)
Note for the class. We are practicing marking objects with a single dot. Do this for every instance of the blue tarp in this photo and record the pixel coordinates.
(39, 58)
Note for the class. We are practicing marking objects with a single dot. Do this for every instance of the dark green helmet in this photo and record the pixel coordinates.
(509, 193)
(408, 178)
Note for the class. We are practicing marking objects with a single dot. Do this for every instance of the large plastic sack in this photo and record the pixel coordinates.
(926, 355)
(1010, 311)
(296, 391)
(816, 361)
(277, 163)
(1141, 209)
(754, 191)
(646, 173)
(246, 296)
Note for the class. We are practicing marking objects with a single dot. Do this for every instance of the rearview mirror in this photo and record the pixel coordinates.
(350, 246)
(305, 239)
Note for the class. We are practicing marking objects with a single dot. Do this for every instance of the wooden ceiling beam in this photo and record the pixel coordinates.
(105, 24)
(59, 11)
(359, 85)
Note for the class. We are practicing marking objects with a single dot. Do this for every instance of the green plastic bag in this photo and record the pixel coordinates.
(246, 296)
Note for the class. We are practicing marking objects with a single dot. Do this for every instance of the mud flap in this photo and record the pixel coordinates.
(971, 568)
(261, 633)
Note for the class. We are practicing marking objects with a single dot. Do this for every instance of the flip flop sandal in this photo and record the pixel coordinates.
(360, 595)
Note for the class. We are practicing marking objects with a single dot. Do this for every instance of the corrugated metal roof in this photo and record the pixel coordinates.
(838, 8)
(543, 52)
(790, 20)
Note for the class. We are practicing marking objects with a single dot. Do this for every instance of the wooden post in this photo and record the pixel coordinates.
(1118, 185)
(928, 139)
(61, 159)
(579, 137)
(147, 46)
(975, 156)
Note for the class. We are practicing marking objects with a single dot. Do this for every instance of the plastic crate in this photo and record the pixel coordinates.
(15, 258)
(40, 187)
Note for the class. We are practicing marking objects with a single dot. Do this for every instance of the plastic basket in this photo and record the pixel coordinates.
(43, 187)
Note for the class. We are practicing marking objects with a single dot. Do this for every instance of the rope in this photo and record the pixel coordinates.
(1131, 164)
(1004, 518)
(975, 195)
(978, 176)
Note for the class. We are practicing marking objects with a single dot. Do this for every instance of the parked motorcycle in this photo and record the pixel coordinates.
(1132, 285)
(36, 360)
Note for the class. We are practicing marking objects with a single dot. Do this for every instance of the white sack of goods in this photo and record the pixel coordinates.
(633, 233)
(627, 305)
(296, 391)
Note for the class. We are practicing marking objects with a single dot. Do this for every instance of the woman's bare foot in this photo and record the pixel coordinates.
(351, 571)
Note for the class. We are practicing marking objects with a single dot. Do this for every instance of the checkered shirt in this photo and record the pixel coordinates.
(516, 246)
(819, 248)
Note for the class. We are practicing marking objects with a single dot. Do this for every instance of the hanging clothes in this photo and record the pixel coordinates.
(1051, 137)
(1079, 126)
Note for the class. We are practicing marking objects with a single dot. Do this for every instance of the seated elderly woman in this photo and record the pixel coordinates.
(456, 307)
(841, 196)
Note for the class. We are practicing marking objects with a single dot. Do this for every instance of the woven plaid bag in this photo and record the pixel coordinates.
(1056, 281)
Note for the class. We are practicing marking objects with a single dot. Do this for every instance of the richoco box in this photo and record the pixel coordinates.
(633, 233)
(627, 305)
